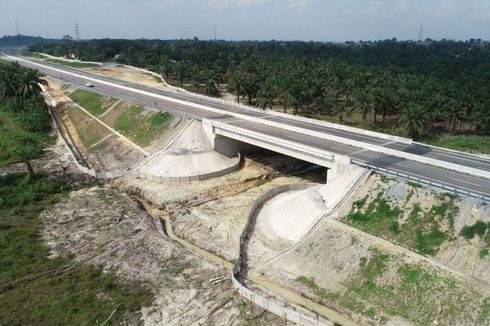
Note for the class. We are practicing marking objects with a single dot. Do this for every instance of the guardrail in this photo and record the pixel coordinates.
(178, 90)
(108, 175)
(342, 140)
(421, 180)
(270, 304)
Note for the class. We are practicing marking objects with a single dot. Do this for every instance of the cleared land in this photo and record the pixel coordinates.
(78, 294)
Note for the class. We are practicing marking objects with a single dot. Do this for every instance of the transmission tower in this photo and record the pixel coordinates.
(17, 28)
(421, 33)
(77, 32)
(215, 34)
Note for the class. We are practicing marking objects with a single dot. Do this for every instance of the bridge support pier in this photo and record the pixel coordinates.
(224, 145)
(341, 165)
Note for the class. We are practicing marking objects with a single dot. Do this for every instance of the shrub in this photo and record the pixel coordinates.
(479, 228)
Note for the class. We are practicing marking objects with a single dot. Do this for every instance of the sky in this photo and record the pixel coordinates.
(317, 20)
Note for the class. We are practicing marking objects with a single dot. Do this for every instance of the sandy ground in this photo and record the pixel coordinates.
(188, 155)
(128, 74)
(216, 225)
(102, 226)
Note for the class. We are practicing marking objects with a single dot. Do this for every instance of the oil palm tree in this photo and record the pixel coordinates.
(414, 120)
(9, 80)
(29, 84)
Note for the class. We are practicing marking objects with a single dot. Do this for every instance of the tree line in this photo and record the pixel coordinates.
(24, 119)
(410, 88)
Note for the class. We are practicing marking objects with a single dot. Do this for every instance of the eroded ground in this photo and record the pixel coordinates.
(105, 227)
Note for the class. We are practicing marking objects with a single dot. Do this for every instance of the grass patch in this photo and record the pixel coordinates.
(92, 102)
(484, 318)
(369, 293)
(34, 55)
(475, 144)
(414, 184)
(89, 130)
(72, 64)
(319, 292)
(129, 120)
(483, 253)
(36, 290)
(141, 128)
(385, 287)
(421, 231)
(469, 231)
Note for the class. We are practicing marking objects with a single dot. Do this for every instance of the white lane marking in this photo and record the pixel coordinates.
(463, 158)
(239, 115)
(464, 181)
(388, 143)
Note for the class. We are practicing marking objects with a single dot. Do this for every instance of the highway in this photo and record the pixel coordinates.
(196, 107)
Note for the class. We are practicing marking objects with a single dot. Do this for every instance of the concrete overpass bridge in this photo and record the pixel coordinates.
(336, 147)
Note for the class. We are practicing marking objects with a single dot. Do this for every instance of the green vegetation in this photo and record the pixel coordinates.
(469, 231)
(386, 287)
(140, 128)
(414, 184)
(319, 292)
(423, 231)
(37, 290)
(476, 144)
(32, 55)
(72, 64)
(20, 40)
(484, 318)
(24, 119)
(398, 87)
(92, 102)
(483, 253)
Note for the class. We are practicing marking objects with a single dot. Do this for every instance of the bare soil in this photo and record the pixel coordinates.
(128, 74)
(108, 228)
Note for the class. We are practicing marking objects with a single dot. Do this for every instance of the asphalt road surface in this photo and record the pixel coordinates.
(477, 185)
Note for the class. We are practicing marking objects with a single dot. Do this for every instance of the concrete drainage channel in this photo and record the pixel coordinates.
(271, 305)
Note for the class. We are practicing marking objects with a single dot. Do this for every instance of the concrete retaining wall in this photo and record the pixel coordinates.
(270, 304)
(108, 175)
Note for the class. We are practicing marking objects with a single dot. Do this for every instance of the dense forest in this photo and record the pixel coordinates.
(21, 40)
(417, 89)
(24, 119)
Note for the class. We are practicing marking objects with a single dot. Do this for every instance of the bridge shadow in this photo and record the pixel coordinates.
(385, 161)
(288, 166)
(411, 149)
